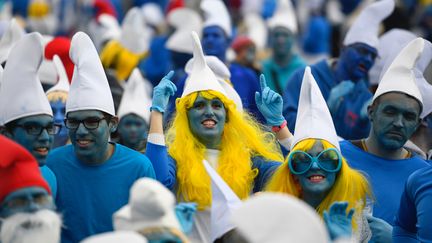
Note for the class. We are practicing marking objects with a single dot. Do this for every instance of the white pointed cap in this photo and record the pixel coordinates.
(224, 203)
(184, 20)
(424, 86)
(13, 33)
(23, 87)
(256, 29)
(394, 39)
(284, 16)
(152, 14)
(136, 97)
(365, 27)
(135, 36)
(400, 75)
(116, 237)
(63, 82)
(313, 116)
(279, 218)
(202, 77)
(223, 75)
(109, 27)
(216, 13)
(89, 89)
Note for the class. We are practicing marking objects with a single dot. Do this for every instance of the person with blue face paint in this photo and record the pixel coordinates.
(28, 120)
(134, 118)
(95, 174)
(394, 115)
(25, 198)
(207, 126)
(315, 170)
(284, 60)
(343, 82)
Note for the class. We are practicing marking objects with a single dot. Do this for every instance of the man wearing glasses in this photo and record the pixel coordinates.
(25, 112)
(94, 174)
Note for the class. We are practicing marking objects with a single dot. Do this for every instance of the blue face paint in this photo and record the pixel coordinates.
(133, 130)
(281, 41)
(394, 119)
(58, 108)
(355, 61)
(207, 120)
(37, 145)
(316, 182)
(26, 200)
(215, 42)
(90, 145)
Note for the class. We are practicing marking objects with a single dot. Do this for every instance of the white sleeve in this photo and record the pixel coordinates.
(286, 142)
(156, 138)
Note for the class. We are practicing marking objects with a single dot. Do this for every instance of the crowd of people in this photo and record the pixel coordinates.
(227, 121)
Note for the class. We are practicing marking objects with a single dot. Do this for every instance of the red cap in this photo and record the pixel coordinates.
(173, 4)
(241, 42)
(18, 169)
(104, 7)
(60, 46)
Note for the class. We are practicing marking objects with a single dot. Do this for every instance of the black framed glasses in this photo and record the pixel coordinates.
(36, 130)
(89, 123)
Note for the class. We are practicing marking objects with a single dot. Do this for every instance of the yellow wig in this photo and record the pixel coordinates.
(117, 57)
(57, 95)
(350, 185)
(242, 139)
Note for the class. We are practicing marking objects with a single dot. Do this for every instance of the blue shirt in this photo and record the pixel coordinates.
(414, 219)
(347, 119)
(88, 196)
(386, 177)
(49, 176)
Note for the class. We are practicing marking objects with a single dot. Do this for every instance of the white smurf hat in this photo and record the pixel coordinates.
(184, 20)
(151, 205)
(12, 34)
(284, 16)
(63, 81)
(21, 83)
(313, 116)
(116, 237)
(400, 75)
(89, 89)
(365, 27)
(216, 13)
(135, 36)
(136, 97)
(201, 77)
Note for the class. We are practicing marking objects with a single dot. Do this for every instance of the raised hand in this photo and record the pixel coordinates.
(338, 222)
(269, 103)
(337, 93)
(162, 93)
(381, 230)
(185, 213)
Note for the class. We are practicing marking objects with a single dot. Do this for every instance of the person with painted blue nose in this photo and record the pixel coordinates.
(394, 115)
(25, 112)
(95, 175)
(343, 82)
(27, 210)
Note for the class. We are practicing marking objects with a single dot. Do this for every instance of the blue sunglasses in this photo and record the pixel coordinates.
(300, 162)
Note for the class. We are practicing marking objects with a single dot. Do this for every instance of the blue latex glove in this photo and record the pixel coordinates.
(338, 222)
(381, 230)
(337, 93)
(269, 103)
(162, 93)
(185, 213)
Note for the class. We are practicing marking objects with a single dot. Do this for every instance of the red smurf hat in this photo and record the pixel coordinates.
(60, 46)
(18, 169)
(240, 42)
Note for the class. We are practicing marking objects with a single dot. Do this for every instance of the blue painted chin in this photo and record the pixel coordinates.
(317, 181)
(26, 200)
(215, 41)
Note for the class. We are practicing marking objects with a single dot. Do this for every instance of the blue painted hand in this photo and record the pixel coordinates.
(269, 104)
(185, 213)
(162, 93)
(381, 230)
(338, 222)
(337, 93)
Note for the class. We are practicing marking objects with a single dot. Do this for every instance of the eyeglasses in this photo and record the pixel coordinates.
(21, 203)
(328, 160)
(36, 130)
(89, 123)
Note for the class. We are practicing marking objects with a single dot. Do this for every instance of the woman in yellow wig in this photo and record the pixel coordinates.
(207, 127)
(315, 169)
